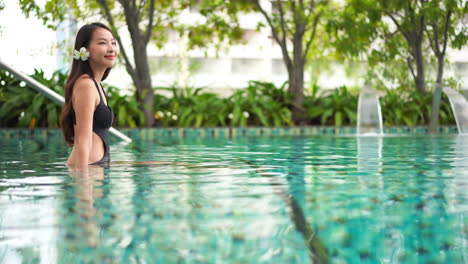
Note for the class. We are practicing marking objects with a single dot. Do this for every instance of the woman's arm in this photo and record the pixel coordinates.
(84, 102)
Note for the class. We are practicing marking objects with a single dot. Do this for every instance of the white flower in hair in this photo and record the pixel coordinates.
(83, 54)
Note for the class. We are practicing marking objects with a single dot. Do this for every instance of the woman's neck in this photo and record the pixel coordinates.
(98, 73)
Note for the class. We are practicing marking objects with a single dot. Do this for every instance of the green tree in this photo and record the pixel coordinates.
(443, 29)
(384, 31)
(145, 20)
(220, 24)
(294, 25)
(410, 20)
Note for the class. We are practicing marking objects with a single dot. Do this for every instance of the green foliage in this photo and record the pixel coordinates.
(190, 107)
(336, 107)
(445, 15)
(220, 23)
(145, 20)
(49, 13)
(261, 103)
(385, 33)
(400, 107)
(22, 106)
(126, 108)
(408, 107)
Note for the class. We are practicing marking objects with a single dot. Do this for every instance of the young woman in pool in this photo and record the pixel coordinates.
(86, 117)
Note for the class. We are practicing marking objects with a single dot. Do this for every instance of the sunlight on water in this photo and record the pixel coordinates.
(242, 200)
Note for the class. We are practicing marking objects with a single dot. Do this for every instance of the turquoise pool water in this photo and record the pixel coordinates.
(269, 199)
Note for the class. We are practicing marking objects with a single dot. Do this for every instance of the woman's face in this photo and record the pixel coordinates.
(103, 48)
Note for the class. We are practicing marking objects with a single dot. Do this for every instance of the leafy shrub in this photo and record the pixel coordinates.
(411, 108)
(126, 108)
(261, 103)
(334, 107)
(21, 106)
(190, 107)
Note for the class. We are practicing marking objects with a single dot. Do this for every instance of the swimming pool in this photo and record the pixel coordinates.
(245, 199)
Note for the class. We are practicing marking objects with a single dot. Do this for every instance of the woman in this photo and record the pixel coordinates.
(86, 117)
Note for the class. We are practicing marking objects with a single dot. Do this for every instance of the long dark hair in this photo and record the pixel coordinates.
(78, 68)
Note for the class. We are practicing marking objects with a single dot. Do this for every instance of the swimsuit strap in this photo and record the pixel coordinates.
(102, 88)
(99, 92)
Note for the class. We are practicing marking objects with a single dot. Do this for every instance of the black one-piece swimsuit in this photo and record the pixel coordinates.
(103, 117)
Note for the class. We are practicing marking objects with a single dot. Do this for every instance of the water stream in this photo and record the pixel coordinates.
(459, 106)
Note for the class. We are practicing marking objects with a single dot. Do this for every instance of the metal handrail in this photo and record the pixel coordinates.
(52, 95)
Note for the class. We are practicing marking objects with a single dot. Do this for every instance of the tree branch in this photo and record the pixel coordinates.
(446, 29)
(273, 30)
(128, 65)
(149, 30)
(405, 34)
(293, 8)
(132, 20)
(301, 4)
(141, 7)
(284, 27)
(410, 8)
(421, 26)
(311, 8)
(433, 41)
(309, 42)
(408, 60)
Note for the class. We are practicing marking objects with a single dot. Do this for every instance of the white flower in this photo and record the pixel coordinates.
(174, 117)
(83, 54)
(230, 116)
(160, 113)
(246, 114)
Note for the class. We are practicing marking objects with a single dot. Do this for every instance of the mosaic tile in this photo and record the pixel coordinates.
(222, 132)
(330, 130)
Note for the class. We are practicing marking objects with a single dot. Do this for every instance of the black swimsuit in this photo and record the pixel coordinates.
(102, 121)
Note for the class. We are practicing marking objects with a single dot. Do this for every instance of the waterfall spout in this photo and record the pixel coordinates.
(369, 119)
(459, 106)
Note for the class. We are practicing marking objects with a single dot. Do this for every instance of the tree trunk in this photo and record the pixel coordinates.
(420, 79)
(434, 122)
(296, 80)
(144, 89)
(296, 90)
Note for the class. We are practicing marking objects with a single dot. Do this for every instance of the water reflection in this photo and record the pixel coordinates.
(369, 161)
(457, 195)
(29, 219)
(296, 202)
(88, 183)
(81, 216)
(247, 199)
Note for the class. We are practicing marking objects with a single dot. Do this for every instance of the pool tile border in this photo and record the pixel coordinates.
(221, 132)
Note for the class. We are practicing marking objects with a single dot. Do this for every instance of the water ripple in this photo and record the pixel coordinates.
(246, 199)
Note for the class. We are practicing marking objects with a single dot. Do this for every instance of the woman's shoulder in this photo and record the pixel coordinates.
(85, 77)
(86, 87)
(84, 82)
